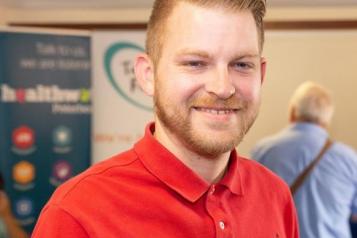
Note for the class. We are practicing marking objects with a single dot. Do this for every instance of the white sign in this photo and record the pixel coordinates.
(120, 109)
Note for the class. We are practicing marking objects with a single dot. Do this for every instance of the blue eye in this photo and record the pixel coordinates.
(242, 66)
(195, 64)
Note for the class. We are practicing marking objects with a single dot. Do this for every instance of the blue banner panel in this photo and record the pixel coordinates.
(45, 109)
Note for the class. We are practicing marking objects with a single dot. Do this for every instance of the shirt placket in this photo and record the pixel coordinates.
(215, 210)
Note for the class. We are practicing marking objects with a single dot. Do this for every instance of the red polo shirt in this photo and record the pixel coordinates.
(147, 192)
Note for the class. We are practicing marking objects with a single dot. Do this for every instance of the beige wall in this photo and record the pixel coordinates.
(106, 15)
(75, 15)
(2, 16)
(327, 57)
(311, 13)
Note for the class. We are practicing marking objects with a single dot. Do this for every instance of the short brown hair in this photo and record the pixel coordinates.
(162, 9)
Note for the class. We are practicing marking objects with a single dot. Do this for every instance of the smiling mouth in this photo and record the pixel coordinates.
(216, 111)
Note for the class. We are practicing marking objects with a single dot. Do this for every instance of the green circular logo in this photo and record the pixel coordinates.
(119, 67)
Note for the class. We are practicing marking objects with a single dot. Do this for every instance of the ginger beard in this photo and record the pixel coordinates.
(212, 138)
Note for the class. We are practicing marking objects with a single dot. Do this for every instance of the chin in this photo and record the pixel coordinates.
(212, 150)
(213, 144)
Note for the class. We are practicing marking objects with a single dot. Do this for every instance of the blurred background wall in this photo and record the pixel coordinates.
(120, 11)
(306, 40)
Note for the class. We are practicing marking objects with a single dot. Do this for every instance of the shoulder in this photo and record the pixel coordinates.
(86, 197)
(88, 182)
(55, 222)
(344, 158)
(343, 154)
(266, 142)
(269, 143)
(343, 150)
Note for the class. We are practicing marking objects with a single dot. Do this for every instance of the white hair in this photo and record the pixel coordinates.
(312, 103)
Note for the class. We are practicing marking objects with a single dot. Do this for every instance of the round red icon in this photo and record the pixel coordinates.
(23, 137)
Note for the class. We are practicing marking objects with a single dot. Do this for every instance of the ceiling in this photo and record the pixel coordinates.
(148, 3)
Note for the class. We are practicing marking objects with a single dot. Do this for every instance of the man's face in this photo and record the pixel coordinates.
(208, 79)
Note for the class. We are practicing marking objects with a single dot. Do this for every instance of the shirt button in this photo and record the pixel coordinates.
(221, 225)
(213, 189)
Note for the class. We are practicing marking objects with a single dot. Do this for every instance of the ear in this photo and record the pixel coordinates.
(292, 116)
(263, 65)
(144, 73)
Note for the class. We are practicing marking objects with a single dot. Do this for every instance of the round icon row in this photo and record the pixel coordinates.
(24, 173)
(24, 140)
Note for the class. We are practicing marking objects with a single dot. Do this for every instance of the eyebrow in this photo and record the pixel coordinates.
(198, 53)
(204, 54)
(242, 56)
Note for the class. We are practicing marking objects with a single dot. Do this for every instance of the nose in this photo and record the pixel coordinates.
(220, 83)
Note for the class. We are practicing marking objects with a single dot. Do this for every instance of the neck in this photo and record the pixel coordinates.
(211, 169)
(320, 124)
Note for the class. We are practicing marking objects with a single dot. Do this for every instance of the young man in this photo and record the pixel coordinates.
(184, 179)
(328, 195)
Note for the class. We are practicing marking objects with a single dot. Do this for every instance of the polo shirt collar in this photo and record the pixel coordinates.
(176, 175)
(233, 179)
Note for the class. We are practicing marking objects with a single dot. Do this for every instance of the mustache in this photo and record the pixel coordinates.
(211, 101)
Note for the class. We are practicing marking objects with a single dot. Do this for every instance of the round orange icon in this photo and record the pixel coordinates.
(23, 172)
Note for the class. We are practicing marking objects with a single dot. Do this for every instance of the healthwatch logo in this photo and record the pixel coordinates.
(62, 100)
(43, 94)
(119, 67)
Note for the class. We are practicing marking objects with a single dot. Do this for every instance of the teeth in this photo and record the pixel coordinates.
(217, 112)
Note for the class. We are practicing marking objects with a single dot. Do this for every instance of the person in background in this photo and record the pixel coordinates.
(328, 194)
(184, 178)
(9, 227)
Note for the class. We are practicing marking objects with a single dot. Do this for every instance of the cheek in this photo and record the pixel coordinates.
(178, 88)
(249, 89)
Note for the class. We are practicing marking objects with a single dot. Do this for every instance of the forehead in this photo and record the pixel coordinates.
(207, 29)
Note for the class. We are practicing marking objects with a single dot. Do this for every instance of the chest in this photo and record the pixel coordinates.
(169, 215)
